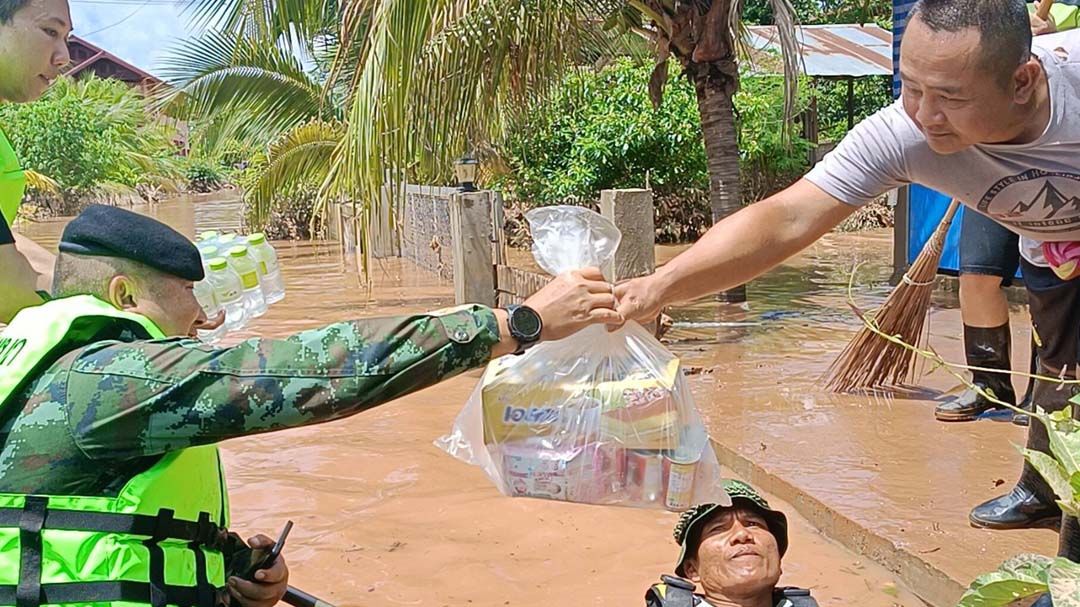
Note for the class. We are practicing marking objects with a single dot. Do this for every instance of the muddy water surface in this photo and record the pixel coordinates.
(384, 518)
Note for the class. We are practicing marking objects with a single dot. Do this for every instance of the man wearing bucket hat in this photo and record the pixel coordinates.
(733, 552)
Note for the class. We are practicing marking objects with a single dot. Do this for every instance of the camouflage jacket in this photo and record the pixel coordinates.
(107, 411)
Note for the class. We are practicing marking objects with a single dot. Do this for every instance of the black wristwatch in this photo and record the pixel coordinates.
(525, 326)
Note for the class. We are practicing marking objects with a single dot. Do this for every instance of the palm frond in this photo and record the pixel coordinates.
(285, 23)
(223, 72)
(300, 156)
(41, 183)
(787, 27)
(437, 76)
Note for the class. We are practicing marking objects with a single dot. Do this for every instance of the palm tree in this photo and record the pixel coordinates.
(704, 36)
(249, 89)
(414, 83)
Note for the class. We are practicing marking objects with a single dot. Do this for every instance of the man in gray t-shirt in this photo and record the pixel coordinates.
(983, 118)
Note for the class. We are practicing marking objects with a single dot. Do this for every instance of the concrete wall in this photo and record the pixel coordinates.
(425, 228)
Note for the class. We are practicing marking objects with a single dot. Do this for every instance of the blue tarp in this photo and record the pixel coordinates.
(926, 207)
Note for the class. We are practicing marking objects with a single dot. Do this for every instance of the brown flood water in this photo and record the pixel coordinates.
(384, 518)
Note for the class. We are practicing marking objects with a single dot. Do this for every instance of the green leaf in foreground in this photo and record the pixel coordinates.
(1018, 578)
(1056, 477)
(1065, 583)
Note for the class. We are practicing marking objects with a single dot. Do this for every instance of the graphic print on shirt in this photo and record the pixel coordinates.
(1046, 202)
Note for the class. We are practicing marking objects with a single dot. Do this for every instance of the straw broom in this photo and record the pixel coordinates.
(869, 361)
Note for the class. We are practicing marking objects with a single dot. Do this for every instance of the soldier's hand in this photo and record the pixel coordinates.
(574, 300)
(639, 299)
(269, 585)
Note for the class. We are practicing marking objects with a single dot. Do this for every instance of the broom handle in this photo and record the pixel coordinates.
(1044, 9)
(946, 221)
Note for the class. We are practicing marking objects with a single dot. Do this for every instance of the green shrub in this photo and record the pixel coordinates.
(768, 162)
(600, 131)
(871, 94)
(91, 133)
(203, 175)
(813, 12)
(60, 138)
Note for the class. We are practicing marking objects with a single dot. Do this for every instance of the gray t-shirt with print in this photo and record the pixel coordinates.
(1033, 189)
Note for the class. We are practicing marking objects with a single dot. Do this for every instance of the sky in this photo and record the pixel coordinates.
(137, 32)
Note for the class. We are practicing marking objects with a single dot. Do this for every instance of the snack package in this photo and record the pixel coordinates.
(601, 417)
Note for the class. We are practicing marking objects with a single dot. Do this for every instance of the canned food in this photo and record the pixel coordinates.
(679, 473)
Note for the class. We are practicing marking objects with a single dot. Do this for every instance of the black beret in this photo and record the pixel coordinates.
(105, 231)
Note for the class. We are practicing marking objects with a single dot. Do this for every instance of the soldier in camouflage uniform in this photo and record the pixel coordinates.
(105, 411)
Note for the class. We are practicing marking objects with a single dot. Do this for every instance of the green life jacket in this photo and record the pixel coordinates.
(677, 592)
(12, 181)
(156, 543)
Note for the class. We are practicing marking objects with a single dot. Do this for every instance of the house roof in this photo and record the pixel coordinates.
(833, 50)
(86, 56)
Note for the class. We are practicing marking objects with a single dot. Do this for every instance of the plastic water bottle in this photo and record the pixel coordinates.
(269, 270)
(204, 293)
(229, 292)
(241, 261)
(226, 241)
(209, 237)
(208, 252)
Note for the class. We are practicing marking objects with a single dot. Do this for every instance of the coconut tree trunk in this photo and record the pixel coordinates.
(714, 96)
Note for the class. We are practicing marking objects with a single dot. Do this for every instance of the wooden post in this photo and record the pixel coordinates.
(632, 212)
(470, 225)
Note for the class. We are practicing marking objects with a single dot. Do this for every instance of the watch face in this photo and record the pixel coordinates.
(526, 322)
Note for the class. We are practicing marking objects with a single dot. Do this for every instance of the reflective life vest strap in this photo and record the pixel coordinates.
(35, 516)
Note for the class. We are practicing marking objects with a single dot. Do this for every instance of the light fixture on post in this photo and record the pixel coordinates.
(465, 169)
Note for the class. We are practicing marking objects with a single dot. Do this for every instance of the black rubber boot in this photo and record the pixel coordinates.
(983, 348)
(1031, 504)
(1021, 419)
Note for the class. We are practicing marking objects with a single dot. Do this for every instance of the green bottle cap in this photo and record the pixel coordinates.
(257, 238)
(208, 251)
(238, 251)
(218, 263)
(208, 235)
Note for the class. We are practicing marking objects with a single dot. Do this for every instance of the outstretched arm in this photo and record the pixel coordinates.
(737, 249)
(129, 400)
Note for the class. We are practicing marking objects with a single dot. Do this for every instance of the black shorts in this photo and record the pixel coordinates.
(6, 237)
(987, 248)
(1055, 316)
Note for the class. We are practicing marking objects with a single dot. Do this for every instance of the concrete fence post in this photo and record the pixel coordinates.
(632, 212)
(470, 225)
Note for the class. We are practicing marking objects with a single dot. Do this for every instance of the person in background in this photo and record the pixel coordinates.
(33, 50)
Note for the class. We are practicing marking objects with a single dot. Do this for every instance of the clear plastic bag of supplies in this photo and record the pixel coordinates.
(599, 417)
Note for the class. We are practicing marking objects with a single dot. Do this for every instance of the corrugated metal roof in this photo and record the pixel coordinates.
(834, 50)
